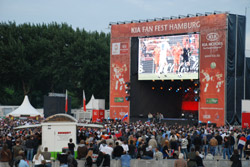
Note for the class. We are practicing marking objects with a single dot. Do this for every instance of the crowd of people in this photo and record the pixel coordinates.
(189, 145)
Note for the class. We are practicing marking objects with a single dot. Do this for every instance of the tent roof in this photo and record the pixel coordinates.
(90, 103)
(25, 109)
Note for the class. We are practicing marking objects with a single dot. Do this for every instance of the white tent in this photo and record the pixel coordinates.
(89, 106)
(25, 109)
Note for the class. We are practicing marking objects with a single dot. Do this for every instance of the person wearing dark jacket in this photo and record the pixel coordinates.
(89, 160)
(198, 160)
(236, 159)
(219, 146)
(132, 149)
(82, 150)
(5, 155)
(118, 150)
(30, 148)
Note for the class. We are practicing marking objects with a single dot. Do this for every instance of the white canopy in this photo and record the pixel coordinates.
(89, 106)
(25, 109)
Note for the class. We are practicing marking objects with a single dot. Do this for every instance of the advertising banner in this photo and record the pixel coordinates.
(119, 75)
(210, 30)
(212, 77)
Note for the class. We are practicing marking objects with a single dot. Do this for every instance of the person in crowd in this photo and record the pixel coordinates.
(118, 150)
(63, 158)
(197, 142)
(184, 143)
(165, 150)
(71, 146)
(158, 154)
(247, 149)
(6, 156)
(23, 162)
(241, 143)
(30, 147)
(213, 143)
(191, 158)
(16, 148)
(231, 143)
(205, 145)
(125, 159)
(226, 148)
(180, 162)
(152, 142)
(219, 139)
(236, 159)
(38, 158)
(47, 157)
(150, 117)
(148, 154)
(198, 159)
(125, 146)
(89, 160)
(82, 150)
(132, 149)
(71, 160)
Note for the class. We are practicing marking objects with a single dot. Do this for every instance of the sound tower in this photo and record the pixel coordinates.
(55, 105)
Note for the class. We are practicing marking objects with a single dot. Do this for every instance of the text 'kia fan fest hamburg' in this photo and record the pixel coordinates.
(175, 66)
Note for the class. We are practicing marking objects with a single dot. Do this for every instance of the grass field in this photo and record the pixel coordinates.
(169, 76)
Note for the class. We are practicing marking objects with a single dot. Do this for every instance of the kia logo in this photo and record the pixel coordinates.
(213, 36)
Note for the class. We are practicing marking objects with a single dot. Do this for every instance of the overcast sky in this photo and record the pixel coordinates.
(95, 15)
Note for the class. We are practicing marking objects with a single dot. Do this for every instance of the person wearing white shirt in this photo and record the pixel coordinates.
(108, 149)
(38, 158)
(125, 146)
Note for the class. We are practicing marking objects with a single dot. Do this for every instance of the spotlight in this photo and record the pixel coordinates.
(196, 91)
(161, 87)
(127, 84)
(127, 98)
(196, 98)
(153, 88)
(127, 91)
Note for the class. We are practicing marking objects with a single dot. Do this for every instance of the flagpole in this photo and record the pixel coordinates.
(66, 102)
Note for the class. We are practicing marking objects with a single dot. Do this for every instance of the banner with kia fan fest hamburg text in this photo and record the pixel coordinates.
(212, 31)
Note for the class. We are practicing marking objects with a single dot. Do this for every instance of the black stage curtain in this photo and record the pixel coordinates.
(230, 105)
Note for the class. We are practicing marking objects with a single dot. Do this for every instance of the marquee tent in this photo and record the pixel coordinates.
(89, 106)
(25, 110)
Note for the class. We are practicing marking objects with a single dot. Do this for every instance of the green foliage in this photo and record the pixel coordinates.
(38, 59)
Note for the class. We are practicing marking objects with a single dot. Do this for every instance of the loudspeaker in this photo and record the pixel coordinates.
(55, 105)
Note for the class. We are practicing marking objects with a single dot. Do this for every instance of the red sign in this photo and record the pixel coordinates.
(245, 120)
(98, 115)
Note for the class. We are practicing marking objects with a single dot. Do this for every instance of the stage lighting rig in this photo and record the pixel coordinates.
(127, 90)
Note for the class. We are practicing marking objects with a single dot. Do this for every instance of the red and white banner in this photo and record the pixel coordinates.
(66, 102)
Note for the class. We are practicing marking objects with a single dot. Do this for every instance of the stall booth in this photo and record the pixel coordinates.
(57, 130)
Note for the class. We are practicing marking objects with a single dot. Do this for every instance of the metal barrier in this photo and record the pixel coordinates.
(160, 163)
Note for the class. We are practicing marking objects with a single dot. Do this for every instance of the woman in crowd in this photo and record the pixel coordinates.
(89, 160)
(38, 159)
(198, 160)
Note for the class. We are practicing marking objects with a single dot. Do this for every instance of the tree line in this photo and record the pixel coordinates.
(42, 58)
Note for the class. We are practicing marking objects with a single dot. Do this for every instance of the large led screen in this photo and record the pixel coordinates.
(169, 57)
